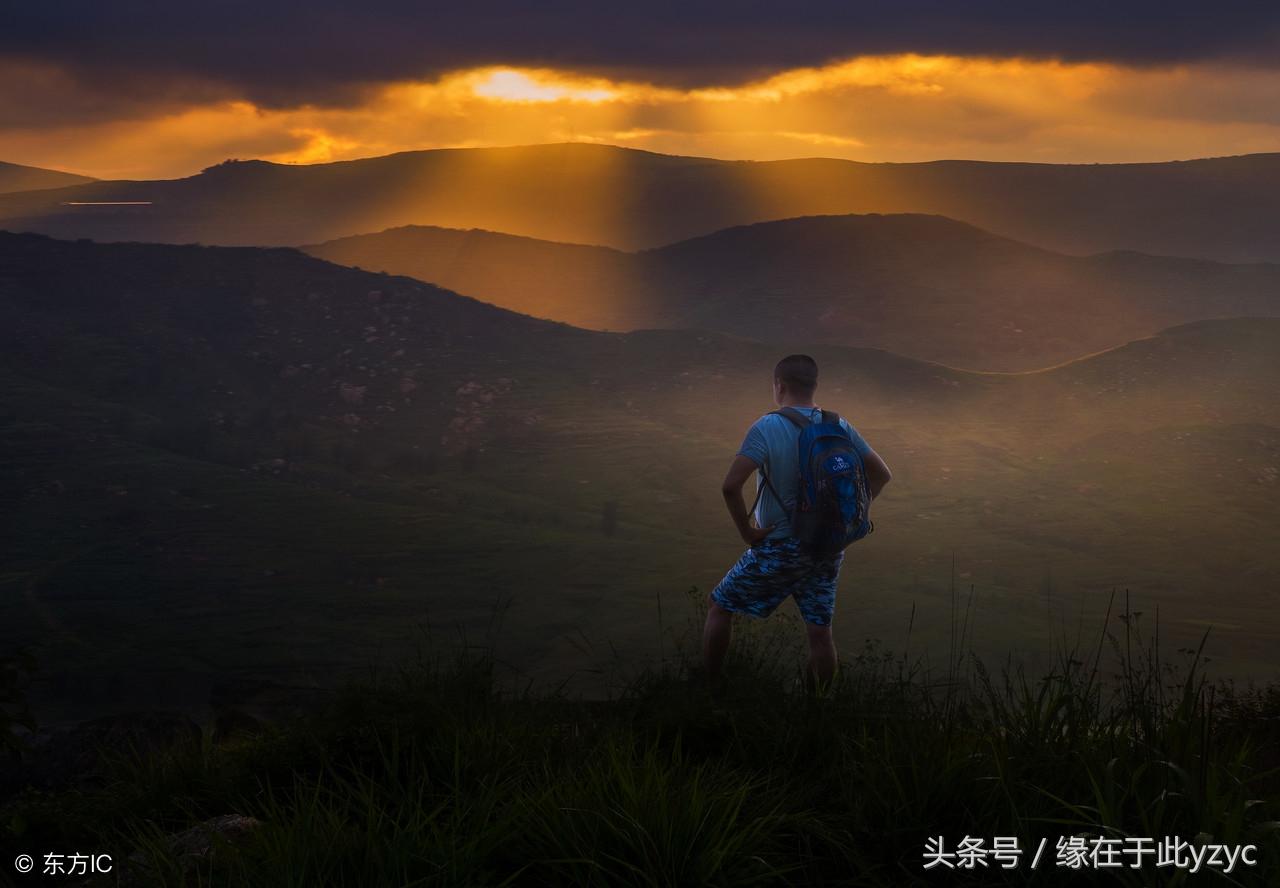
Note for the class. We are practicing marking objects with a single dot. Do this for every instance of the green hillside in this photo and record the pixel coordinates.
(229, 466)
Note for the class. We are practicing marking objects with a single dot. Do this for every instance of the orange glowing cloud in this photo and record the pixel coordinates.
(904, 107)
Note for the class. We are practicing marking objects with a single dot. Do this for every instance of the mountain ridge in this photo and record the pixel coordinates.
(31, 258)
(1223, 209)
(925, 285)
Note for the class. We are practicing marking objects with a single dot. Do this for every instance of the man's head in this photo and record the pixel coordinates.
(795, 376)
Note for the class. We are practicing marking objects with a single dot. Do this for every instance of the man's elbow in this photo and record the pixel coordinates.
(878, 467)
(880, 480)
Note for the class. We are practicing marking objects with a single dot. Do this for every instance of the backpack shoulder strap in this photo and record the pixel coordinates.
(830, 416)
(795, 416)
(760, 492)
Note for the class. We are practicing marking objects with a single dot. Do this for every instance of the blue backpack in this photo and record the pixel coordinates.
(833, 500)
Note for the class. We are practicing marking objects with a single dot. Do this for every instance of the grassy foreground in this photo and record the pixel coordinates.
(435, 774)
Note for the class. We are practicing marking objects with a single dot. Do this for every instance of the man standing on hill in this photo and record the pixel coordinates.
(774, 566)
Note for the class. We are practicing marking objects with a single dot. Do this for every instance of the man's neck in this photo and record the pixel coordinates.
(792, 402)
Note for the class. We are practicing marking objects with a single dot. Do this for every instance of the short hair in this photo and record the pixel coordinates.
(798, 372)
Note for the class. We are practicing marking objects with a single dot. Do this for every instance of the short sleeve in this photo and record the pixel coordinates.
(754, 446)
(859, 443)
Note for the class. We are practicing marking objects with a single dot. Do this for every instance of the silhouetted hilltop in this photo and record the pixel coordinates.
(182, 327)
(1219, 208)
(594, 287)
(16, 177)
(127, 317)
(176, 326)
(925, 286)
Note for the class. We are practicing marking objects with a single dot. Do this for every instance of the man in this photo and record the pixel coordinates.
(774, 567)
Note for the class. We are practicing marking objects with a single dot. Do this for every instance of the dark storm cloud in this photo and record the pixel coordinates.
(324, 51)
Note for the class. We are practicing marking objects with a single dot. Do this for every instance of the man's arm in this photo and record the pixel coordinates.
(739, 471)
(878, 474)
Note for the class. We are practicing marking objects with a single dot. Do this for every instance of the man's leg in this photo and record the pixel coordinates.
(755, 586)
(816, 598)
(821, 668)
(715, 638)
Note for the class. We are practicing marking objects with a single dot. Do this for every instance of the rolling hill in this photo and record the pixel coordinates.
(223, 466)
(925, 286)
(16, 177)
(598, 288)
(1218, 208)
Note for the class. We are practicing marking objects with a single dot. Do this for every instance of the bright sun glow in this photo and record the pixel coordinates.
(519, 86)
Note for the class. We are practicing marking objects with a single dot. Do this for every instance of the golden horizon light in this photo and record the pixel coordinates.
(904, 107)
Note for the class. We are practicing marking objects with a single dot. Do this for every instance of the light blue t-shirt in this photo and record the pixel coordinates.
(772, 442)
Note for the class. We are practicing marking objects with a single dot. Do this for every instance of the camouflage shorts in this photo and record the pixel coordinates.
(769, 572)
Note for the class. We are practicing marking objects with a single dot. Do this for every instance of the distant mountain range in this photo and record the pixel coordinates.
(1226, 208)
(924, 286)
(16, 177)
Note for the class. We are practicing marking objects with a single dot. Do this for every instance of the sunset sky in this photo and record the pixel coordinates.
(144, 89)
